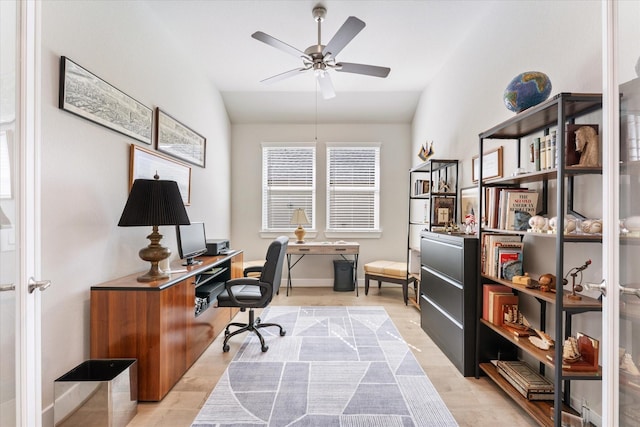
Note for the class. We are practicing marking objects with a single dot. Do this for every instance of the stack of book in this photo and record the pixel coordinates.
(523, 378)
(495, 300)
(502, 256)
(509, 208)
(421, 186)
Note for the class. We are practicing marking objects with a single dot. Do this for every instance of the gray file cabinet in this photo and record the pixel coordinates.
(448, 295)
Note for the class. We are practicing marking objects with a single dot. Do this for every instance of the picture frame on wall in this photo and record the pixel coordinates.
(88, 96)
(491, 165)
(178, 140)
(145, 164)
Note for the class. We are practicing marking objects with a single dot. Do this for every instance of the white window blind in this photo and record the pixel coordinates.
(353, 188)
(288, 182)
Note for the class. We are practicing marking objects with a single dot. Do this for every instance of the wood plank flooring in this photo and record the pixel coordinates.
(473, 402)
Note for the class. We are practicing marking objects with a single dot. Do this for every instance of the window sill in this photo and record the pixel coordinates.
(332, 234)
(267, 234)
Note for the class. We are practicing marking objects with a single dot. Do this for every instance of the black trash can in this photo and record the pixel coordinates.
(342, 275)
(104, 391)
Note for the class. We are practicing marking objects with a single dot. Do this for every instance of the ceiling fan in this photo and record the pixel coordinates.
(321, 58)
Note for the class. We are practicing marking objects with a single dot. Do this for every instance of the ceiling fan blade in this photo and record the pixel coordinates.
(274, 42)
(351, 27)
(326, 87)
(369, 70)
(284, 75)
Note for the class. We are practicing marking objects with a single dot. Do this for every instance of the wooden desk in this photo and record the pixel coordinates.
(156, 323)
(323, 248)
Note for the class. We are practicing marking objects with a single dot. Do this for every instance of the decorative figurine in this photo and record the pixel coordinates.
(469, 222)
(547, 282)
(576, 287)
(538, 224)
(587, 145)
(443, 187)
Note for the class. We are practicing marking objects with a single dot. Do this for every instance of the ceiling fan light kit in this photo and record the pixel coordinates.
(321, 58)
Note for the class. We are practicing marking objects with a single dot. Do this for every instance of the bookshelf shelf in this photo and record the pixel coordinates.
(556, 113)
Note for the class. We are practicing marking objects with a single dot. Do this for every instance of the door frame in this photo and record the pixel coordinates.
(28, 322)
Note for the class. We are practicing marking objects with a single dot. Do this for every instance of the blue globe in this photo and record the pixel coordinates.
(526, 90)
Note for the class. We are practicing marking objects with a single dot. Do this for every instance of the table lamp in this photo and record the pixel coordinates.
(154, 202)
(299, 217)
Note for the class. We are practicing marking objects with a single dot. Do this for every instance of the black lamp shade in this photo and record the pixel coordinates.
(154, 202)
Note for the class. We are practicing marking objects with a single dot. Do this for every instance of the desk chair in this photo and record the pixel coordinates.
(249, 292)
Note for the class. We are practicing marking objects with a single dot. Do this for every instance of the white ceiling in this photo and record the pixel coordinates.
(413, 38)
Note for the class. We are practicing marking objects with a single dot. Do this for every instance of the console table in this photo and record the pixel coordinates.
(158, 322)
(323, 248)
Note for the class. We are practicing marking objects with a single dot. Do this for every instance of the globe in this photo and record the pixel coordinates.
(526, 90)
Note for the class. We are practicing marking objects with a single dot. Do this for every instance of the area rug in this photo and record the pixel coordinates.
(336, 366)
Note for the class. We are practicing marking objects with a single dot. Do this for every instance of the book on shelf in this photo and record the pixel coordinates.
(488, 251)
(503, 253)
(421, 186)
(500, 302)
(519, 206)
(486, 290)
(525, 380)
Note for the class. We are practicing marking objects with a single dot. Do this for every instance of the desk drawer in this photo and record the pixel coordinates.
(322, 250)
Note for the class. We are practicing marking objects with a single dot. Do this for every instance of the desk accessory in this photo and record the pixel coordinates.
(154, 202)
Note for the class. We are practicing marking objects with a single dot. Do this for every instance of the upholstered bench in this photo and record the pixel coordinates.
(391, 272)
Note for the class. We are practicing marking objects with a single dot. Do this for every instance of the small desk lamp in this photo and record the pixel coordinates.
(154, 202)
(299, 217)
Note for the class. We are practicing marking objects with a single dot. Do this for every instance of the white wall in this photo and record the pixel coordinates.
(85, 167)
(246, 181)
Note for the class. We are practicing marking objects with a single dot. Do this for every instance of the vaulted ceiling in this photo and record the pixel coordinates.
(414, 38)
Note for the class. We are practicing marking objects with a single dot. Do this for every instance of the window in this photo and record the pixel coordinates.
(288, 182)
(353, 188)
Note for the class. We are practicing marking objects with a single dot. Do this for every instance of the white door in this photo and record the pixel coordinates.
(20, 377)
(621, 214)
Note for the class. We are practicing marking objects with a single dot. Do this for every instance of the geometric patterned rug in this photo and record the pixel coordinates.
(336, 366)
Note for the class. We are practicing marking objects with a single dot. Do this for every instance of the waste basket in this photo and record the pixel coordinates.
(342, 275)
(98, 392)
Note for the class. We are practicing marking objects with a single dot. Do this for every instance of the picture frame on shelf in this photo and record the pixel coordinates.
(572, 157)
(492, 165)
(88, 96)
(443, 210)
(145, 164)
(178, 140)
(469, 203)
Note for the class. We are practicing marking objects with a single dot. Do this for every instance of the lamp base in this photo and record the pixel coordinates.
(299, 232)
(154, 253)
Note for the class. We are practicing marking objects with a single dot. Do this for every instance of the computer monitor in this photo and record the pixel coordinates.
(192, 242)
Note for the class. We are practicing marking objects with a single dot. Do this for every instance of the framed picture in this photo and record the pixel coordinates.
(178, 140)
(145, 164)
(491, 165)
(469, 203)
(443, 210)
(88, 96)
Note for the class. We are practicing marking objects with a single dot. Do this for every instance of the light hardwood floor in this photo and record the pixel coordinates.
(473, 402)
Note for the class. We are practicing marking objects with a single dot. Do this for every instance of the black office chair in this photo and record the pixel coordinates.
(249, 292)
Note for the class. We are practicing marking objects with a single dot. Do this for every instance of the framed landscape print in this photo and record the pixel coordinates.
(145, 164)
(88, 96)
(178, 140)
(491, 165)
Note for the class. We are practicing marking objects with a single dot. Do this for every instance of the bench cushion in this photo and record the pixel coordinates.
(387, 268)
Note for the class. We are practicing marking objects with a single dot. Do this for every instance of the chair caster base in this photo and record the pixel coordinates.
(265, 348)
(225, 348)
(283, 333)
